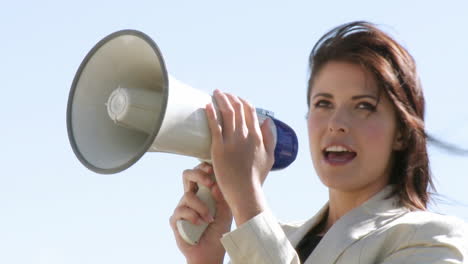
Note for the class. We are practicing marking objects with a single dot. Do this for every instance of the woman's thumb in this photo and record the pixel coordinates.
(223, 212)
(268, 137)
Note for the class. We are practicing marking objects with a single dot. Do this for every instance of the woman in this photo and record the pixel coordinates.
(368, 146)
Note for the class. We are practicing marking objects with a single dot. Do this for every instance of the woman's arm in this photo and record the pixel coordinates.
(243, 154)
(260, 240)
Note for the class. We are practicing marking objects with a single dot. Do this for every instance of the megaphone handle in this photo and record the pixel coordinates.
(189, 232)
(192, 233)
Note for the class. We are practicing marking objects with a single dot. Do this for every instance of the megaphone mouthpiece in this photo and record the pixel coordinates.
(134, 108)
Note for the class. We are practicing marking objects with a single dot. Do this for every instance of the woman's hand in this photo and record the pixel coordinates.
(209, 249)
(242, 154)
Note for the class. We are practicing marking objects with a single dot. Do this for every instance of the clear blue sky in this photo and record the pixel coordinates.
(54, 211)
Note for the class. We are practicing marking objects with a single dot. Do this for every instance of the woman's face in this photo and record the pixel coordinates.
(351, 133)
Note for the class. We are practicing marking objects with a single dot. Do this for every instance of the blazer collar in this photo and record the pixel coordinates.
(359, 222)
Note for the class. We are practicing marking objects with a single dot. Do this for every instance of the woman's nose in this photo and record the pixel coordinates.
(338, 122)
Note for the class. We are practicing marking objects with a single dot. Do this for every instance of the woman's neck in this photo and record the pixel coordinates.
(341, 202)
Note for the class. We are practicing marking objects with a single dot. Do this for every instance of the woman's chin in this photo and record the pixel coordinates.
(341, 182)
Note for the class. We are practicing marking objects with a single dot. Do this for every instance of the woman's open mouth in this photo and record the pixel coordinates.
(338, 155)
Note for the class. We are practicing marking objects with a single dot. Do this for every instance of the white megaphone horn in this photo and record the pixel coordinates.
(122, 104)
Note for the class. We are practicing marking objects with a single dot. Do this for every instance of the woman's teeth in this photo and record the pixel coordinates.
(336, 149)
(338, 155)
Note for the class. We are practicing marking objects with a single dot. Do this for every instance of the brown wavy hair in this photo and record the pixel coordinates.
(394, 69)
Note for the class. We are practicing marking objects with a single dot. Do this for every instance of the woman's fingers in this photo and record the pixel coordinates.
(192, 201)
(202, 174)
(215, 127)
(264, 131)
(185, 213)
(239, 116)
(227, 112)
(251, 119)
(193, 209)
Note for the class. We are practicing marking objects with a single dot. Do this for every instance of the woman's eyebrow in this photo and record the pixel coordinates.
(357, 97)
(324, 95)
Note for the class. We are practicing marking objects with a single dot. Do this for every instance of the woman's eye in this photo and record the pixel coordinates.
(366, 106)
(323, 104)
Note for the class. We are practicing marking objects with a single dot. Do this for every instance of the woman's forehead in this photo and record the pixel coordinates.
(344, 78)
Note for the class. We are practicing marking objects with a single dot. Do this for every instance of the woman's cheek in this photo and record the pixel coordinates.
(314, 128)
(376, 135)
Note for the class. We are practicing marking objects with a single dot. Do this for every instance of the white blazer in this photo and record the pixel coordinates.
(378, 231)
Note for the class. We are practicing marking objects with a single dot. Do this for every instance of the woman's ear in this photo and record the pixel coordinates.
(399, 142)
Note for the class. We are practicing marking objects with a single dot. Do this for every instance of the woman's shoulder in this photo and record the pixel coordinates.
(418, 234)
(425, 228)
(427, 221)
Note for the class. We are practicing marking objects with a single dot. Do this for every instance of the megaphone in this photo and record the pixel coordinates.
(123, 103)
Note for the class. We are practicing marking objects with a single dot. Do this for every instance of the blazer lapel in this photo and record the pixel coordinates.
(353, 226)
(297, 235)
